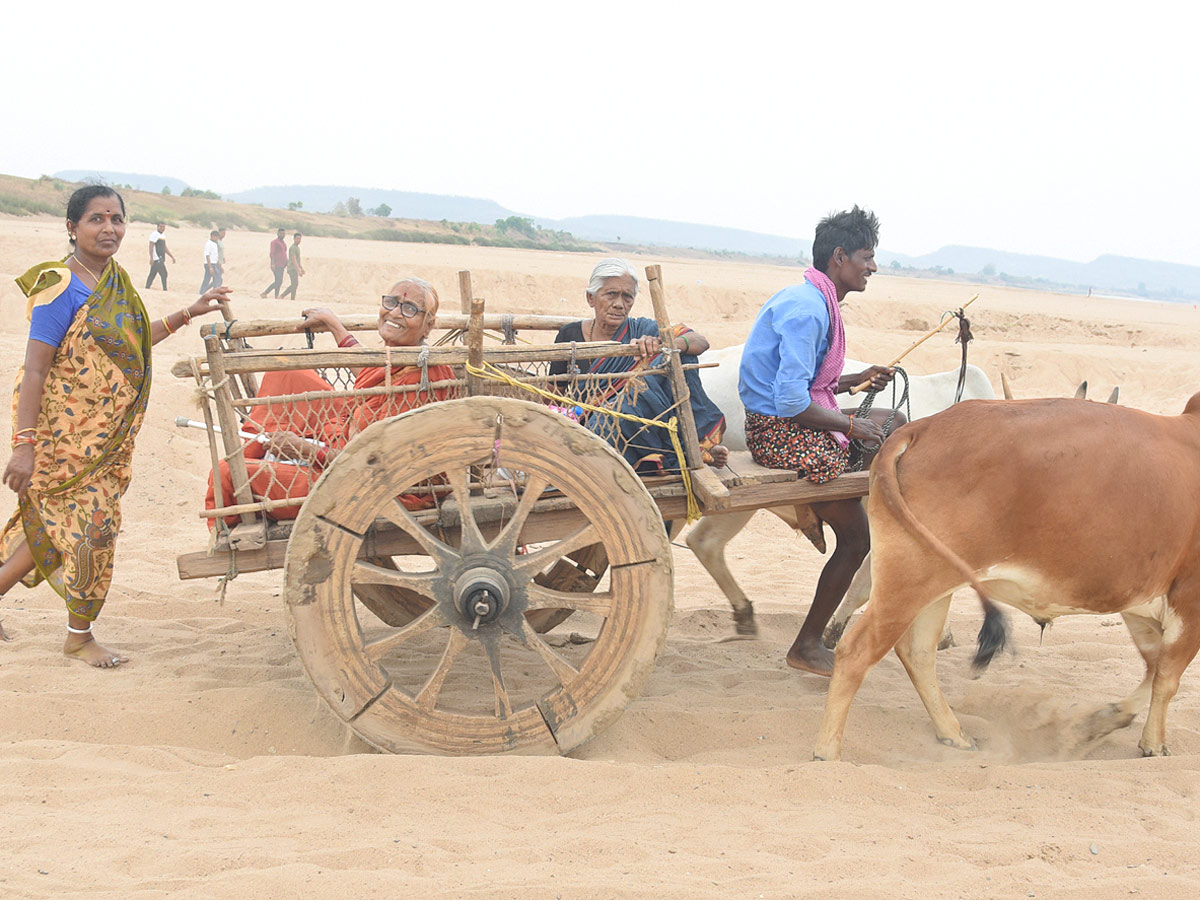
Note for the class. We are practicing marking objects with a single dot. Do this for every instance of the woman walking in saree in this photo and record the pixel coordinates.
(79, 402)
(611, 291)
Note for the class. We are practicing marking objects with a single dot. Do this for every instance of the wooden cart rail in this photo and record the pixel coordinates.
(248, 328)
(552, 517)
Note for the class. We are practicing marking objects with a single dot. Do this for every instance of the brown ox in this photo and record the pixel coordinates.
(1052, 506)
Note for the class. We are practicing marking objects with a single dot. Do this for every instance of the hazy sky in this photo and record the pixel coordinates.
(1065, 129)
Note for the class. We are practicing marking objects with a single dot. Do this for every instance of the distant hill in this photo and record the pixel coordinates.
(404, 204)
(663, 233)
(1108, 273)
(152, 183)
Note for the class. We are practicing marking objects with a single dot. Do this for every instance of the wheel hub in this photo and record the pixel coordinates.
(481, 594)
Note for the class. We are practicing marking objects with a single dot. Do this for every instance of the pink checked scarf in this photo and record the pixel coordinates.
(823, 389)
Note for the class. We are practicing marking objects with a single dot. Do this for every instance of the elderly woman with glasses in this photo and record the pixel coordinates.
(309, 433)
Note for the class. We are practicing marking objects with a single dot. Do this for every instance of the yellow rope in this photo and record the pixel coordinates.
(492, 373)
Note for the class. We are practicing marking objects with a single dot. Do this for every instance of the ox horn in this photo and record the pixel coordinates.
(1004, 386)
(1081, 391)
(1112, 398)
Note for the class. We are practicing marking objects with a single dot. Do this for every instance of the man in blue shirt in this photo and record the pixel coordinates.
(790, 375)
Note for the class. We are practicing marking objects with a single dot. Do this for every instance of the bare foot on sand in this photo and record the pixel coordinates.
(84, 647)
(719, 456)
(811, 657)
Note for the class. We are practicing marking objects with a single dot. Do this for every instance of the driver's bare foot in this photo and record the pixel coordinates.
(84, 647)
(811, 657)
(719, 456)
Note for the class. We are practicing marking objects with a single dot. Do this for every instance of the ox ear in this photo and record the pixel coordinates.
(1004, 386)
(1112, 398)
(1081, 391)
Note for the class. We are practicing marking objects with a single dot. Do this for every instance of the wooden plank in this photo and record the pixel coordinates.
(553, 518)
(234, 452)
(282, 360)
(464, 291)
(447, 321)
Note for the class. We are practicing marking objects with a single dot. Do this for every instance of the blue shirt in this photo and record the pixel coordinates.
(785, 349)
(50, 323)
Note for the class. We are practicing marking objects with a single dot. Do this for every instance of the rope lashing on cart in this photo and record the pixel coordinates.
(492, 373)
(864, 409)
(964, 337)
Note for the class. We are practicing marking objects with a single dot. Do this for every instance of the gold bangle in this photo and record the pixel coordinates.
(167, 325)
(25, 430)
(850, 430)
(187, 317)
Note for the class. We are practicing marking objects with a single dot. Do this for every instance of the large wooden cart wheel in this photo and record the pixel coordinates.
(469, 674)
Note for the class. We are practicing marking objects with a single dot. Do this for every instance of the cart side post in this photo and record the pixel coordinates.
(250, 533)
(464, 291)
(713, 494)
(474, 343)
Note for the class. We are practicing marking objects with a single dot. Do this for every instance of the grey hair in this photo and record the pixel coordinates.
(611, 268)
(430, 291)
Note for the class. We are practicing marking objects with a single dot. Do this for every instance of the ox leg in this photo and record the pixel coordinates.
(918, 652)
(1147, 637)
(708, 540)
(1181, 640)
(856, 597)
(863, 646)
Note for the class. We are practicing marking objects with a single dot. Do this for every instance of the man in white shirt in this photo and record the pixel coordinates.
(158, 254)
(212, 262)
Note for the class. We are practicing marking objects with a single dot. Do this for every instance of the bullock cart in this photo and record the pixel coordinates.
(428, 566)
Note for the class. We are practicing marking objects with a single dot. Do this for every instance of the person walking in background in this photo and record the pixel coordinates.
(158, 255)
(279, 261)
(220, 257)
(212, 262)
(294, 267)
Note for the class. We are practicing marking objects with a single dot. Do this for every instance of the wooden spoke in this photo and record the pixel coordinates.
(548, 598)
(380, 647)
(398, 515)
(491, 645)
(563, 670)
(472, 537)
(428, 695)
(506, 542)
(585, 536)
(369, 573)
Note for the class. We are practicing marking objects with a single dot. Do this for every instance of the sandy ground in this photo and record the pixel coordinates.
(207, 767)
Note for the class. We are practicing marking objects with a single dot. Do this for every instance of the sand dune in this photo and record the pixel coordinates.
(208, 768)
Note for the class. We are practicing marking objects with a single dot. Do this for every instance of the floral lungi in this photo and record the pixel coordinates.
(780, 443)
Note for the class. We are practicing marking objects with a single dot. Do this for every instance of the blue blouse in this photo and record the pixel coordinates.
(785, 349)
(50, 323)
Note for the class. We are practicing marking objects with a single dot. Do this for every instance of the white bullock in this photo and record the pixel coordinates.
(927, 394)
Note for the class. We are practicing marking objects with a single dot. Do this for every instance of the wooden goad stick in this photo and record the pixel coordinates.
(858, 388)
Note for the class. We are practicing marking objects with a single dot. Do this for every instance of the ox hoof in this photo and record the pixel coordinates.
(743, 622)
(960, 743)
(832, 635)
(1106, 720)
(1154, 751)
(947, 641)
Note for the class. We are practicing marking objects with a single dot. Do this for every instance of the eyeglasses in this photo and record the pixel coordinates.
(408, 309)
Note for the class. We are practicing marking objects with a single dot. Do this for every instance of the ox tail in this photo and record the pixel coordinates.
(993, 635)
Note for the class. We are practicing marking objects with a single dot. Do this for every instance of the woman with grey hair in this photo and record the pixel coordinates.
(611, 292)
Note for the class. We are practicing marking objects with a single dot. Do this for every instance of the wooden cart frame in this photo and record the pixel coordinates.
(427, 631)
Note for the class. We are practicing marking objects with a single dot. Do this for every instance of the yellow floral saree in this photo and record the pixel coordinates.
(92, 407)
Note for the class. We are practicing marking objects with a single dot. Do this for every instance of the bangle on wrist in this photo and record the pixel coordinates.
(167, 325)
(850, 430)
(348, 341)
(687, 345)
(31, 430)
(23, 439)
(187, 316)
